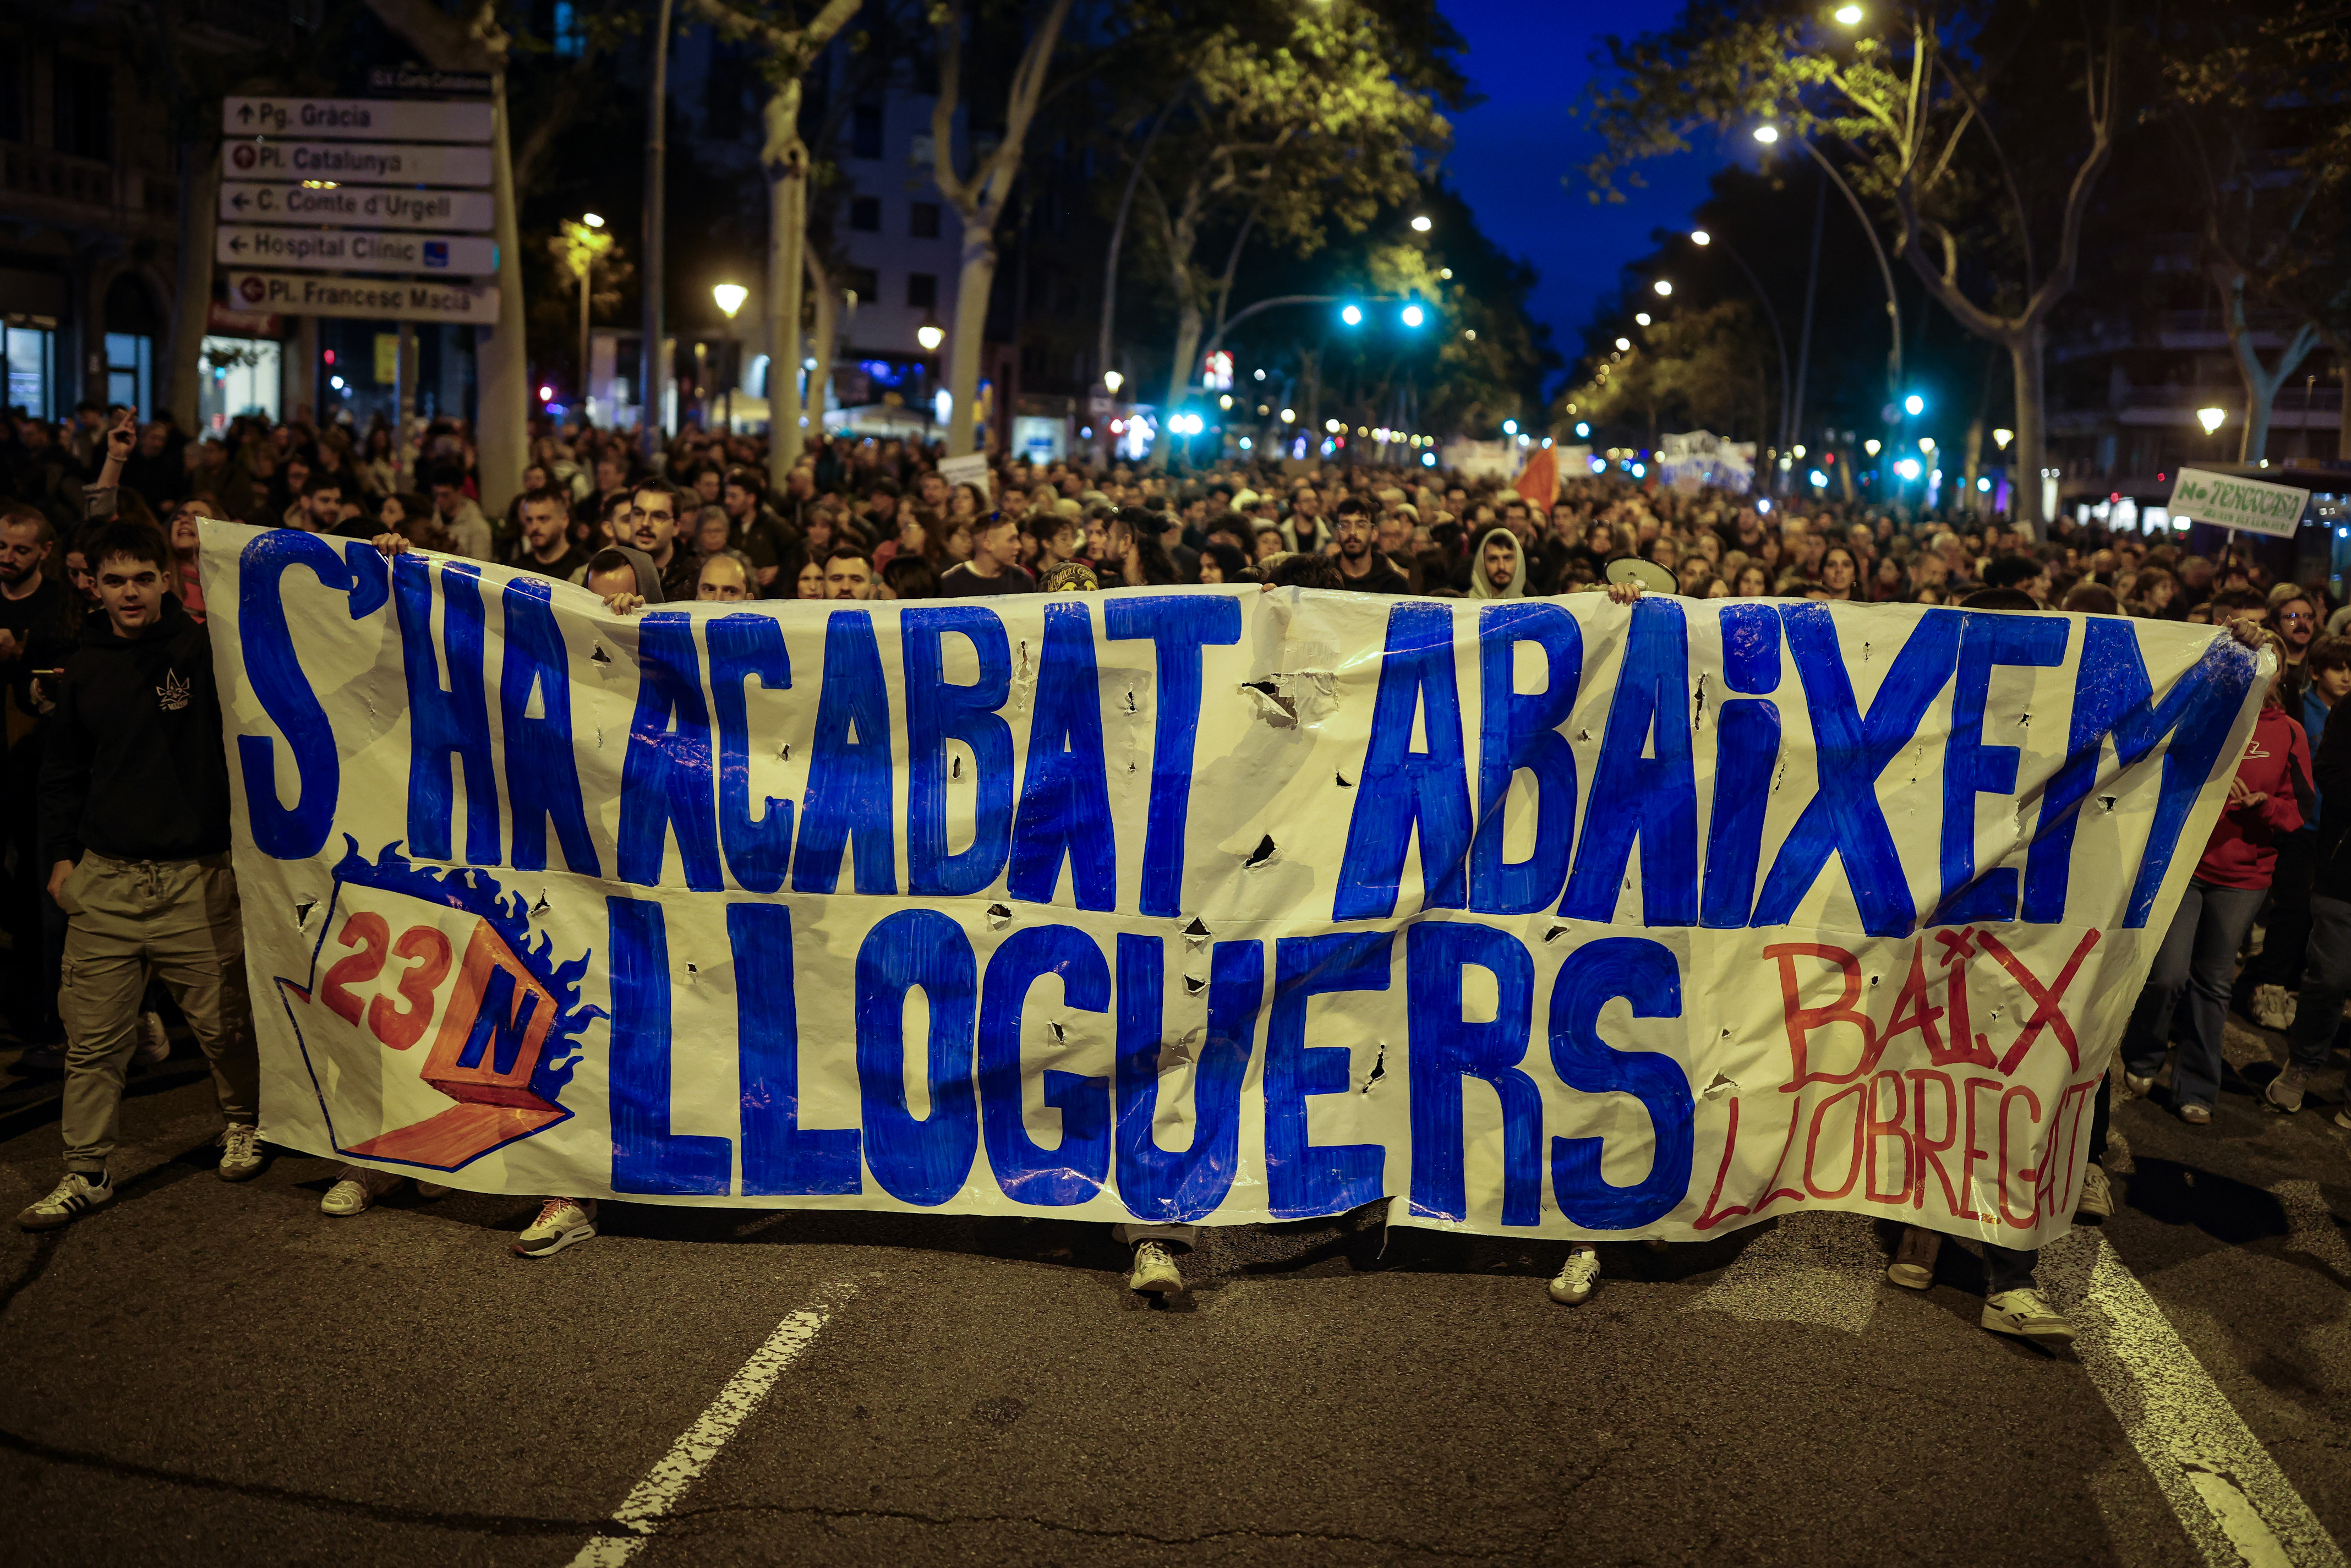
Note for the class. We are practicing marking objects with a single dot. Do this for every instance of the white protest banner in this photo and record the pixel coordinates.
(2226, 501)
(380, 206)
(366, 299)
(1552, 917)
(969, 470)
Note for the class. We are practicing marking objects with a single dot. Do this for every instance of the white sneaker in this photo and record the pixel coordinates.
(2097, 1199)
(1154, 1271)
(72, 1199)
(356, 1190)
(561, 1222)
(240, 1144)
(2023, 1313)
(2136, 1087)
(154, 1043)
(1573, 1287)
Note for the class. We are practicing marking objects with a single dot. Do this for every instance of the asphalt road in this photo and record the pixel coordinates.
(214, 1373)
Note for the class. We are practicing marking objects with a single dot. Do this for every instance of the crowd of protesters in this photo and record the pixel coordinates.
(117, 798)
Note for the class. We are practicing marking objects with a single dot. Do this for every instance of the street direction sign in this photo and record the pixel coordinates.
(378, 206)
(357, 250)
(356, 119)
(366, 299)
(358, 163)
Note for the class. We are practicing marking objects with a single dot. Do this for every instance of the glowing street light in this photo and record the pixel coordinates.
(1700, 236)
(1289, 416)
(1353, 315)
(1420, 224)
(1624, 343)
(1333, 427)
(1926, 444)
(1111, 382)
(1509, 427)
(1914, 405)
(2001, 438)
(1767, 134)
(591, 220)
(1413, 315)
(730, 297)
(1640, 318)
(1664, 288)
(1849, 15)
(1582, 430)
(930, 334)
(2211, 418)
(1870, 446)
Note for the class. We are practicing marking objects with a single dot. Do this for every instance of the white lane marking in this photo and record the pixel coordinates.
(650, 1501)
(2232, 1499)
(1816, 1266)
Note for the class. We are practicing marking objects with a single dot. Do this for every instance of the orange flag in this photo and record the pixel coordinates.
(1539, 481)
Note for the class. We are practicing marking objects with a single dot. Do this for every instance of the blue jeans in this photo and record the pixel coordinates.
(2325, 981)
(2199, 956)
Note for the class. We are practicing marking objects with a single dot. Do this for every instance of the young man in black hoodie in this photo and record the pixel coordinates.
(135, 827)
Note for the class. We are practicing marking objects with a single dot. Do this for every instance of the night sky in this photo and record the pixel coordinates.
(1531, 60)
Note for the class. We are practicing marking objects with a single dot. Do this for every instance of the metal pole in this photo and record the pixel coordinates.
(584, 390)
(1893, 305)
(651, 372)
(1795, 426)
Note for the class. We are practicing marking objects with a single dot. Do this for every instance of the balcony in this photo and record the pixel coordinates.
(43, 175)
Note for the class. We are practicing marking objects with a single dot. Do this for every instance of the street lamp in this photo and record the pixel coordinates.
(1849, 15)
(1420, 224)
(1509, 427)
(1664, 288)
(2211, 418)
(1640, 318)
(930, 334)
(581, 245)
(1623, 342)
(730, 297)
(1289, 416)
(1700, 236)
(1413, 315)
(1111, 382)
(1767, 134)
(1353, 315)
(2001, 438)
(591, 220)
(1914, 405)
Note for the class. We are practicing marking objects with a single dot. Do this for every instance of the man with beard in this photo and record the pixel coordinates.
(40, 622)
(546, 546)
(1362, 569)
(1498, 570)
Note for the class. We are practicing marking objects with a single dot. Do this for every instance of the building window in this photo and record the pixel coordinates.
(130, 364)
(31, 358)
(865, 130)
(861, 282)
(922, 290)
(241, 375)
(865, 213)
(85, 108)
(12, 89)
(570, 40)
(923, 220)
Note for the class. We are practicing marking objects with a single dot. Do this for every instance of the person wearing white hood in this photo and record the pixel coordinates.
(1501, 569)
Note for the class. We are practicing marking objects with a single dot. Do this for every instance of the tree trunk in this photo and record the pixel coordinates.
(826, 334)
(972, 284)
(2025, 351)
(200, 180)
(652, 363)
(787, 168)
(502, 402)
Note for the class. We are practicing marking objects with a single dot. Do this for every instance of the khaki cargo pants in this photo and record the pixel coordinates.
(126, 919)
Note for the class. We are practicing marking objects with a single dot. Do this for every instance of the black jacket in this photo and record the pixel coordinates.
(136, 768)
(2332, 765)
